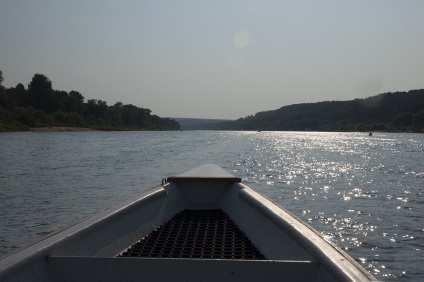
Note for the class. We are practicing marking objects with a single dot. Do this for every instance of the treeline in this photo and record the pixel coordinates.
(400, 111)
(196, 123)
(42, 106)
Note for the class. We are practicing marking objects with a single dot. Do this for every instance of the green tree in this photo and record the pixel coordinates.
(41, 93)
(75, 102)
(19, 95)
(419, 120)
(403, 120)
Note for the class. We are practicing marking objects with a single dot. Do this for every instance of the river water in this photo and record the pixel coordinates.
(364, 193)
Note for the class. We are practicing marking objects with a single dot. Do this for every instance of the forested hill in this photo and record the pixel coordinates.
(41, 106)
(196, 123)
(400, 111)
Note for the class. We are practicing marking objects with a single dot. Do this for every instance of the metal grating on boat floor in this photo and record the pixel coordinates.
(200, 234)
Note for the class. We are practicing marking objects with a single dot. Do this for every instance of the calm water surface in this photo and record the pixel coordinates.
(366, 194)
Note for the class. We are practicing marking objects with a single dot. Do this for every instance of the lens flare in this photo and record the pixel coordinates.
(241, 39)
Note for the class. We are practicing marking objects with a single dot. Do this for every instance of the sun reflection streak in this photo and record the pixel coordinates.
(343, 172)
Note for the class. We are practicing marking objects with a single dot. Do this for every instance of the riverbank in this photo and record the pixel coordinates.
(60, 129)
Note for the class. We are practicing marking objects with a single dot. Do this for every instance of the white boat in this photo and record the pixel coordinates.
(203, 225)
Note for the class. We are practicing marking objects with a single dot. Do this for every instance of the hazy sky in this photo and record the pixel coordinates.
(215, 59)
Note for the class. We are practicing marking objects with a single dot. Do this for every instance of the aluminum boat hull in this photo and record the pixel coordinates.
(90, 249)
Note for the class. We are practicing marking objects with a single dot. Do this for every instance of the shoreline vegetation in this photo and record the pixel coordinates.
(386, 112)
(60, 129)
(41, 108)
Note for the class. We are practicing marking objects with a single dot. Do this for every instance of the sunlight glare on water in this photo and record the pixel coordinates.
(355, 189)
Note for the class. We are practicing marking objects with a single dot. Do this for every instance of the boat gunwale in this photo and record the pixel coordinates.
(48, 241)
(293, 229)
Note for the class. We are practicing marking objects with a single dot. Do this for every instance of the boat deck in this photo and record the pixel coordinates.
(200, 234)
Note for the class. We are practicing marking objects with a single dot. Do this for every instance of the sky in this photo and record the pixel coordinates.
(215, 59)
